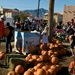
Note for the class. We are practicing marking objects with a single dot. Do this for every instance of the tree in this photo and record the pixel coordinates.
(50, 19)
(23, 16)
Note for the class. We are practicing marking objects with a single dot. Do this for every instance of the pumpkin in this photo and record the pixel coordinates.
(38, 66)
(35, 56)
(2, 54)
(40, 71)
(31, 48)
(19, 69)
(54, 60)
(52, 71)
(6, 32)
(56, 53)
(45, 57)
(47, 72)
(12, 73)
(53, 67)
(45, 67)
(44, 52)
(28, 72)
(43, 47)
(39, 60)
(50, 52)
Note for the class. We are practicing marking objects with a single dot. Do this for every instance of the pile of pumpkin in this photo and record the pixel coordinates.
(46, 62)
(48, 66)
(55, 48)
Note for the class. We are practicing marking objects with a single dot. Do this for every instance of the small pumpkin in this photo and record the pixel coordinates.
(2, 55)
(19, 69)
(12, 73)
(54, 60)
(28, 72)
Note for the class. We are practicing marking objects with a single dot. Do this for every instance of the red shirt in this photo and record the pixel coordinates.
(1, 28)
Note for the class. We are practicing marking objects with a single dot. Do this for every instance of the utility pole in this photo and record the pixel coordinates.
(38, 8)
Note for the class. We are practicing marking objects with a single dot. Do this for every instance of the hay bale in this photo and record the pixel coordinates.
(8, 56)
(13, 62)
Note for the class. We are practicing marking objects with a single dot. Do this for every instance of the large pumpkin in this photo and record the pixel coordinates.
(12, 73)
(19, 69)
(6, 32)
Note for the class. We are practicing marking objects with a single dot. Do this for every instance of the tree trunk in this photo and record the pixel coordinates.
(50, 19)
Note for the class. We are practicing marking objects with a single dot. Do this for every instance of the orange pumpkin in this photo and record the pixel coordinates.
(52, 71)
(43, 47)
(40, 71)
(2, 54)
(31, 48)
(54, 60)
(19, 69)
(35, 56)
(48, 73)
(28, 72)
(6, 32)
(44, 52)
(12, 73)
(50, 52)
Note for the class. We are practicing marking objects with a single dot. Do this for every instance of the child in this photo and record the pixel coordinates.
(44, 37)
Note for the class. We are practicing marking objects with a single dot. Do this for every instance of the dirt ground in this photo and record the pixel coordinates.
(64, 60)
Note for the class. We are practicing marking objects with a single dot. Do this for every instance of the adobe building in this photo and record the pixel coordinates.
(68, 14)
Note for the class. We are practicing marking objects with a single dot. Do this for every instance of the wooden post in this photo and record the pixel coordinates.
(50, 19)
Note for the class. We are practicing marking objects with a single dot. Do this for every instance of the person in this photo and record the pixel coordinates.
(18, 25)
(9, 38)
(71, 68)
(59, 26)
(2, 19)
(72, 42)
(26, 26)
(44, 35)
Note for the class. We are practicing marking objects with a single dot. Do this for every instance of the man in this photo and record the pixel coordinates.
(3, 18)
(9, 37)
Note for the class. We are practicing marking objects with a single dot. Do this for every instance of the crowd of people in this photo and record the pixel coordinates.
(31, 26)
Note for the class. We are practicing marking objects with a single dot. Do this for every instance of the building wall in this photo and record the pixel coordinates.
(57, 17)
(1, 9)
(8, 14)
(68, 14)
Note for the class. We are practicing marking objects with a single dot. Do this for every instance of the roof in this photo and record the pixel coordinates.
(9, 10)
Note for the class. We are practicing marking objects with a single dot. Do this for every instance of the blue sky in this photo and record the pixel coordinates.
(33, 4)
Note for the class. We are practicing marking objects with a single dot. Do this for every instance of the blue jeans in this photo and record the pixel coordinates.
(8, 44)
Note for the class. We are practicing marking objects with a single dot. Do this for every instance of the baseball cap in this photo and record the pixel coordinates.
(3, 17)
